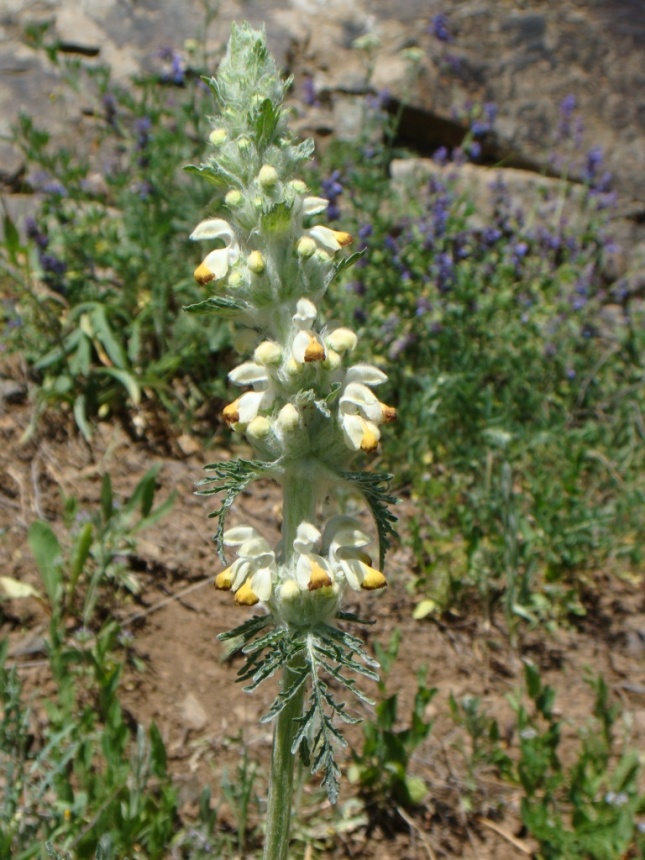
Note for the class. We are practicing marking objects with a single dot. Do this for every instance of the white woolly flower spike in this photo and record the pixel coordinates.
(343, 542)
(252, 574)
(218, 262)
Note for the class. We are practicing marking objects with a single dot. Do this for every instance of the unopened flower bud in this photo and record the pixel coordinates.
(259, 428)
(268, 176)
(243, 144)
(292, 367)
(217, 136)
(306, 247)
(268, 352)
(323, 256)
(256, 262)
(233, 198)
(235, 280)
(342, 340)
(288, 418)
(289, 590)
(298, 186)
(257, 203)
(332, 360)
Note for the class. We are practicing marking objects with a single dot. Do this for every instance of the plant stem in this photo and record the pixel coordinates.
(276, 844)
(299, 505)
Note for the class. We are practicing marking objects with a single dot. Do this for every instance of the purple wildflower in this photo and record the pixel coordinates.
(34, 233)
(439, 28)
(440, 157)
(309, 95)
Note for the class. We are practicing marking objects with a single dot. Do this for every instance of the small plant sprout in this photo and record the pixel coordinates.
(306, 408)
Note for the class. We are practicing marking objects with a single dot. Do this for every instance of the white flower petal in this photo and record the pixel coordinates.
(249, 405)
(248, 373)
(314, 205)
(214, 228)
(358, 398)
(218, 262)
(366, 374)
(307, 536)
(305, 314)
(353, 427)
(325, 237)
(353, 573)
(239, 535)
(300, 344)
(239, 572)
(303, 572)
(262, 582)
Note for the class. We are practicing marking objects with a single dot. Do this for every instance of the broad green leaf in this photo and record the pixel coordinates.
(47, 553)
(80, 553)
(106, 336)
(80, 416)
(127, 381)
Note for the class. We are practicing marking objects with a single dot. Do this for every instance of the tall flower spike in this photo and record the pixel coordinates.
(306, 412)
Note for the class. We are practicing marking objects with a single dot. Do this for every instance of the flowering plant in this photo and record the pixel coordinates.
(306, 410)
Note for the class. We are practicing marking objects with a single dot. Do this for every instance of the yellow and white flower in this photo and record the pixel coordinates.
(253, 573)
(344, 544)
(360, 411)
(307, 345)
(216, 264)
(312, 570)
(246, 408)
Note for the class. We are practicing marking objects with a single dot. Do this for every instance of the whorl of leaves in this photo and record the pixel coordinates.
(230, 478)
(310, 655)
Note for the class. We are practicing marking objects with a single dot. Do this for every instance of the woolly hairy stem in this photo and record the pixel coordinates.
(276, 844)
(299, 505)
(299, 502)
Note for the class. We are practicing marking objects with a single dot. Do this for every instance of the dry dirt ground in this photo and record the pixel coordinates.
(188, 687)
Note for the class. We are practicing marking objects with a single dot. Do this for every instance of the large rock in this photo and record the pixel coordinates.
(525, 57)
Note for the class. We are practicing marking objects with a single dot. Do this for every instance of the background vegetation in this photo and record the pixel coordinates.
(515, 362)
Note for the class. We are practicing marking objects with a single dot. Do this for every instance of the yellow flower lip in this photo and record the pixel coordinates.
(319, 577)
(369, 442)
(203, 275)
(389, 413)
(231, 413)
(315, 351)
(374, 579)
(343, 238)
(245, 596)
(223, 580)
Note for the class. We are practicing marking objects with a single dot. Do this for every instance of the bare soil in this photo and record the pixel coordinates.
(187, 686)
